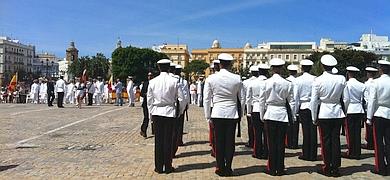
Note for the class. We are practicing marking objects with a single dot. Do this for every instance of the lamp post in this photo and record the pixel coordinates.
(51, 69)
(47, 66)
(42, 67)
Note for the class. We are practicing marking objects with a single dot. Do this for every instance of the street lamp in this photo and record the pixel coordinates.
(47, 66)
(51, 69)
(42, 67)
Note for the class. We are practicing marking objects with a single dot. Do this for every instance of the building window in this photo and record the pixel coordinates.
(287, 57)
(272, 56)
(280, 56)
(295, 57)
(303, 56)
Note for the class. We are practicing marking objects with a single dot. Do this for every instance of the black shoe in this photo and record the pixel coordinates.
(158, 171)
(220, 173)
(271, 173)
(335, 173)
(229, 172)
(143, 134)
(324, 172)
(169, 170)
(263, 157)
(281, 173)
(61, 107)
(257, 157)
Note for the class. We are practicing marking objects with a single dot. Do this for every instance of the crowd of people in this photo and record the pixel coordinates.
(274, 107)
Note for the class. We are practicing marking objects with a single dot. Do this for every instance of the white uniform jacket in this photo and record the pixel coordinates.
(225, 90)
(184, 87)
(367, 84)
(60, 86)
(302, 91)
(355, 90)
(254, 93)
(379, 99)
(163, 91)
(278, 91)
(327, 92)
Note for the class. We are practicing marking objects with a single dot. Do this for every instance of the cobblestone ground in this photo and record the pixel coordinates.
(37, 142)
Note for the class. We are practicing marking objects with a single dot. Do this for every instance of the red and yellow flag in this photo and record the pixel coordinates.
(110, 83)
(12, 84)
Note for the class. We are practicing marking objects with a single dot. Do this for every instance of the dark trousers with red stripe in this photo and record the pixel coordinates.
(224, 142)
(176, 134)
(369, 137)
(276, 133)
(330, 143)
(180, 129)
(382, 144)
(163, 142)
(292, 135)
(260, 148)
(353, 134)
(309, 130)
(250, 131)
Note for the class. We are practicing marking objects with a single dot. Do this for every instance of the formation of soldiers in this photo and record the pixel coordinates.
(274, 106)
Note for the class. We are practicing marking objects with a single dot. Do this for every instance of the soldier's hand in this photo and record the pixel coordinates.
(315, 122)
(248, 114)
(369, 122)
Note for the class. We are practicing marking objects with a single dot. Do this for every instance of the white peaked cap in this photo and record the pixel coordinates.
(254, 69)
(216, 61)
(179, 67)
(243, 78)
(225, 57)
(335, 70)
(307, 62)
(263, 66)
(277, 62)
(328, 60)
(212, 65)
(383, 62)
(371, 69)
(352, 68)
(172, 64)
(292, 67)
(164, 61)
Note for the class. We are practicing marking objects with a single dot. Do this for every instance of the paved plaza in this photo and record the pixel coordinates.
(38, 142)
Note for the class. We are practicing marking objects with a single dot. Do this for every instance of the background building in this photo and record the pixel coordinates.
(177, 53)
(15, 57)
(292, 52)
(210, 54)
(327, 44)
(72, 53)
(379, 45)
(46, 64)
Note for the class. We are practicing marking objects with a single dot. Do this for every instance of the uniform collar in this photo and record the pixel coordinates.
(385, 75)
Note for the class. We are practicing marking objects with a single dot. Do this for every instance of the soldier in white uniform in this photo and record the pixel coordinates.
(99, 90)
(378, 113)
(293, 127)
(34, 91)
(130, 91)
(215, 69)
(183, 84)
(369, 137)
(43, 92)
(302, 93)
(70, 90)
(255, 90)
(327, 94)
(254, 74)
(355, 113)
(163, 93)
(225, 91)
(278, 93)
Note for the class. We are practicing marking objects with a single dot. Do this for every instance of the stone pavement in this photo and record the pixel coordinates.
(37, 142)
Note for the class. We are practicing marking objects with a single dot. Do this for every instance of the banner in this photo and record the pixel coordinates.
(12, 84)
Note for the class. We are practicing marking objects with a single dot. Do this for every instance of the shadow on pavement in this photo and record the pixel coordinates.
(193, 153)
(301, 169)
(4, 168)
(246, 152)
(346, 171)
(249, 170)
(368, 155)
(195, 143)
(197, 166)
(292, 154)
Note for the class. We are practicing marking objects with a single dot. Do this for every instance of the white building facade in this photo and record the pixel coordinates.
(379, 45)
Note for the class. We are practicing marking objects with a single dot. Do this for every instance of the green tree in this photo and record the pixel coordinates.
(359, 59)
(196, 67)
(96, 66)
(136, 62)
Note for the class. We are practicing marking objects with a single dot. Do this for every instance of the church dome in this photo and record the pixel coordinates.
(216, 44)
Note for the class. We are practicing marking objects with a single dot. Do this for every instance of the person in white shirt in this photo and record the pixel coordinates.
(302, 93)
(70, 90)
(99, 90)
(327, 94)
(90, 90)
(292, 128)
(163, 93)
(355, 113)
(193, 93)
(278, 97)
(225, 90)
(214, 69)
(378, 113)
(60, 89)
(34, 91)
(130, 91)
(43, 92)
(371, 73)
(255, 72)
(199, 90)
(255, 90)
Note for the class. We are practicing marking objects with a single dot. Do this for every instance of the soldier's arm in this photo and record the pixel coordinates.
(372, 103)
(149, 97)
(207, 91)
(249, 99)
(346, 98)
(262, 102)
(315, 101)
(291, 101)
(242, 97)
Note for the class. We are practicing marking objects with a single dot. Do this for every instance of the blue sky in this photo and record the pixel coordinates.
(95, 25)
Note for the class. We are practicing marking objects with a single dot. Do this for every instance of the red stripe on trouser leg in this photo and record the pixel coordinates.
(376, 148)
(266, 127)
(286, 140)
(322, 147)
(366, 137)
(347, 136)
